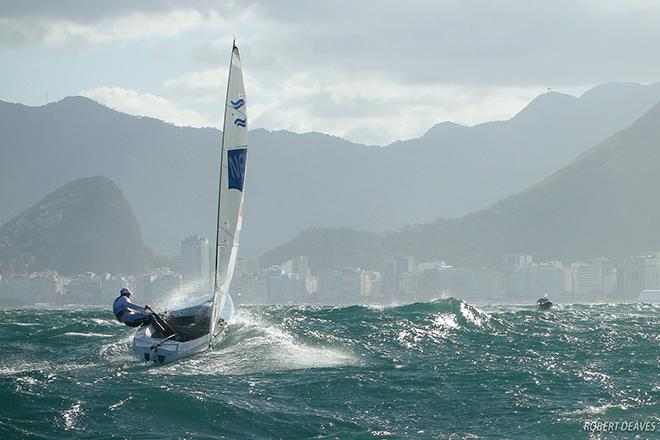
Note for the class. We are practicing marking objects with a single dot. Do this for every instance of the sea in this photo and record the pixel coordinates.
(440, 370)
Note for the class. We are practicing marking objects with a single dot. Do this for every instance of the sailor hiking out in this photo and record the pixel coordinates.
(129, 313)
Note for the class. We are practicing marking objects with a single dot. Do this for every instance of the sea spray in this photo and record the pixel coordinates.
(192, 292)
(253, 344)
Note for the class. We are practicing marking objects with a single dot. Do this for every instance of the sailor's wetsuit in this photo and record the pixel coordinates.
(130, 314)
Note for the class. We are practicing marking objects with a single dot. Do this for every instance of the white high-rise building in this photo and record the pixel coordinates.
(652, 270)
(195, 260)
(517, 261)
(547, 278)
(586, 280)
(246, 266)
(392, 269)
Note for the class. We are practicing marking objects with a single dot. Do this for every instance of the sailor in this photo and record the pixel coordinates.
(130, 314)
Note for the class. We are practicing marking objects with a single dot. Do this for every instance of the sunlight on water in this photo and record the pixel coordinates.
(71, 416)
(120, 350)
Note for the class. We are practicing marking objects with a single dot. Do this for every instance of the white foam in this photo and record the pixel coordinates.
(41, 367)
(474, 315)
(87, 335)
(377, 307)
(446, 320)
(437, 332)
(594, 410)
(119, 404)
(258, 346)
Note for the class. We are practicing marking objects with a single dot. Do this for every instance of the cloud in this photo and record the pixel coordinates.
(371, 109)
(206, 81)
(469, 42)
(508, 42)
(370, 71)
(133, 26)
(365, 108)
(86, 11)
(15, 33)
(146, 104)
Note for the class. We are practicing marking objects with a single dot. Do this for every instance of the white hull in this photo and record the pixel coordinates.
(150, 349)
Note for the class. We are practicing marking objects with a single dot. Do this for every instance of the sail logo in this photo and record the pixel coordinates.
(240, 102)
(236, 160)
(240, 122)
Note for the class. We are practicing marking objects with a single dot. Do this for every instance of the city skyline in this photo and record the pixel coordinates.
(518, 279)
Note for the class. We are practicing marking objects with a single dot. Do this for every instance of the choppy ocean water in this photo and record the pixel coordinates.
(445, 369)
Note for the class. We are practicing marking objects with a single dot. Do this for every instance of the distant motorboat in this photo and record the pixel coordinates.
(649, 296)
(543, 304)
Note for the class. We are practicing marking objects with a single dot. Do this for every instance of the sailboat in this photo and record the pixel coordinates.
(183, 332)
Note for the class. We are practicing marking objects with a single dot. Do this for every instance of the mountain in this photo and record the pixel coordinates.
(301, 181)
(605, 203)
(86, 225)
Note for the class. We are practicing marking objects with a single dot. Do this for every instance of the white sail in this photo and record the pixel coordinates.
(230, 197)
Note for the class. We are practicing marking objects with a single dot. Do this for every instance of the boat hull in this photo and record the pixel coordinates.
(160, 351)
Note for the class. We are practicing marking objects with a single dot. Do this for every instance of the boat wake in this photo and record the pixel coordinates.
(252, 344)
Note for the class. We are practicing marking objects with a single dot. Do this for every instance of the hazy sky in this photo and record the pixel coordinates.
(369, 71)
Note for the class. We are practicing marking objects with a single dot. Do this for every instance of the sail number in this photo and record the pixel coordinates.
(236, 160)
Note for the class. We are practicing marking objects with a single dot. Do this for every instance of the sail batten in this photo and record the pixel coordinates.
(233, 161)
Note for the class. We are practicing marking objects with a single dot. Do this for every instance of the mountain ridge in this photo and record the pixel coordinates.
(295, 181)
(601, 204)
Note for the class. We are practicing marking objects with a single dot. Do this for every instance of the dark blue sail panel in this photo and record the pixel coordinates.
(236, 163)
